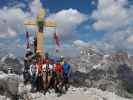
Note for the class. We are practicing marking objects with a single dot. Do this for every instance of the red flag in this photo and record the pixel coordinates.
(57, 40)
(27, 40)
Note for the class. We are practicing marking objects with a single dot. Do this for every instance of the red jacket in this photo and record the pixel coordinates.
(58, 68)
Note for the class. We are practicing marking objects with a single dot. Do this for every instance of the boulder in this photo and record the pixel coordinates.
(9, 85)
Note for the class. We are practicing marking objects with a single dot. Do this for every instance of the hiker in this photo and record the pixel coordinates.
(47, 74)
(66, 74)
(33, 73)
(27, 63)
(39, 74)
(58, 71)
(53, 75)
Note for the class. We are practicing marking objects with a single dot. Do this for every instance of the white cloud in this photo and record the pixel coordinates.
(115, 17)
(12, 19)
(121, 39)
(80, 43)
(11, 22)
(35, 7)
(130, 39)
(67, 20)
(112, 14)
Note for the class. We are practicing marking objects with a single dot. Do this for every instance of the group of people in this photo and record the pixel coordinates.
(44, 74)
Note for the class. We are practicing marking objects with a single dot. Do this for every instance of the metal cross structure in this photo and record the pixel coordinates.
(40, 23)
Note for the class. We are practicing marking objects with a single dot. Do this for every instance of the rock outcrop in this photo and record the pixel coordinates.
(9, 84)
(77, 94)
(106, 71)
(10, 61)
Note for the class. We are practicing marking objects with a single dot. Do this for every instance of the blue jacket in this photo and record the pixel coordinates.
(66, 68)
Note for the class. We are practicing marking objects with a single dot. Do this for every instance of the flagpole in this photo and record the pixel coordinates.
(57, 45)
(26, 30)
(27, 40)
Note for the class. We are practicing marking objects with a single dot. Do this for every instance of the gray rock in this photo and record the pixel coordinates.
(9, 85)
(108, 72)
(10, 61)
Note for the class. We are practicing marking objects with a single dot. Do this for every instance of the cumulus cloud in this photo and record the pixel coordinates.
(12, 19)
(35, 6)
(11, 22)
(80, 43)
(68, 20)
(112, 14)
(130, 39)
(115, 17)
(11, 26)
(121, 39)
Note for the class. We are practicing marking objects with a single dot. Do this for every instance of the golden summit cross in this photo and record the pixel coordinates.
(41, 23)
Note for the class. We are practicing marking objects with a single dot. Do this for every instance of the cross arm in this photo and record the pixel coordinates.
(46, 23)
(30, 23)
(50, 24)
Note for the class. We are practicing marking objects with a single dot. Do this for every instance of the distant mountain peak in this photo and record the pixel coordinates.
(10, 55)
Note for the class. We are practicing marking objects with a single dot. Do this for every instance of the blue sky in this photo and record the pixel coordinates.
(82, 6)
(86, 21)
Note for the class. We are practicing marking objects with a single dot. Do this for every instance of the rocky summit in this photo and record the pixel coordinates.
(96, 75)
(15, 90)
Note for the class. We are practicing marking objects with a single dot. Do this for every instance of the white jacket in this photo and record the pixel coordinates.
(50, 67)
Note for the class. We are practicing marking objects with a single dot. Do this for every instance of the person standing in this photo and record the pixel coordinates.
(27, 63)
(47, 74)
(66, 74)
(33, 73)
(58, 81)
(39, 74)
